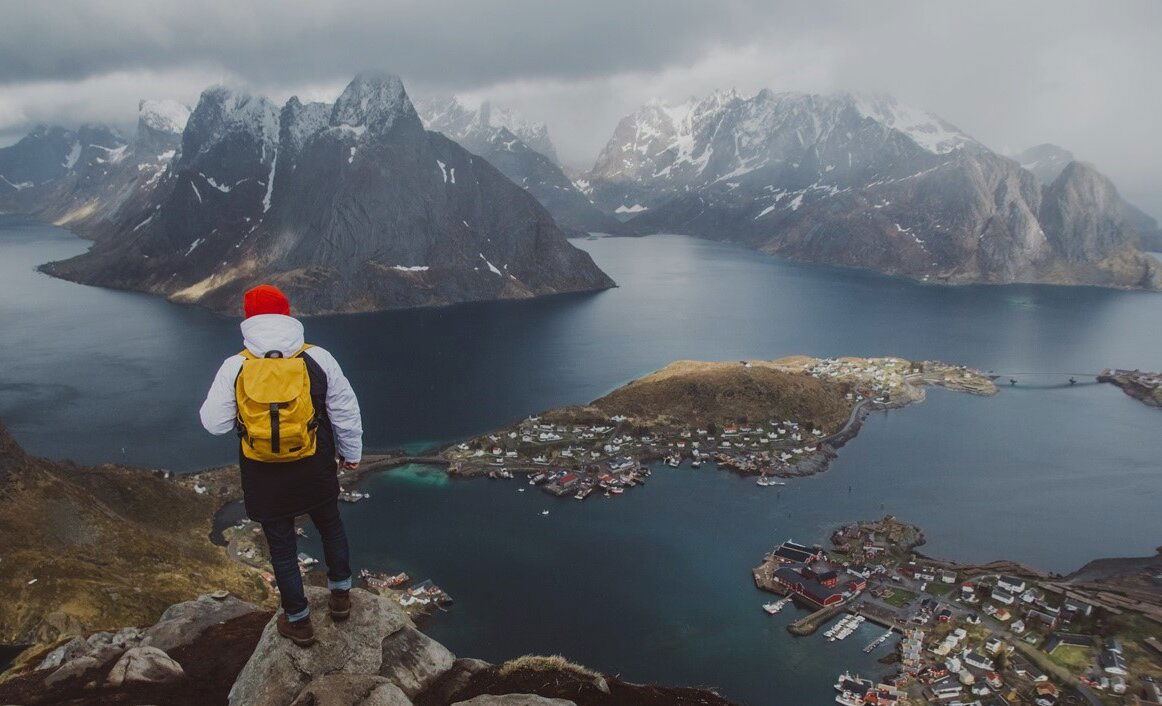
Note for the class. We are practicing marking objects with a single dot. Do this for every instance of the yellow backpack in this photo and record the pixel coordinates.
(276, 416)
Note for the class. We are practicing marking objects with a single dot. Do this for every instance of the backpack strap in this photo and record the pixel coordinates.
(245, 353)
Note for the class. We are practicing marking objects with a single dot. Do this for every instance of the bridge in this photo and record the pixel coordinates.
(1043, 380)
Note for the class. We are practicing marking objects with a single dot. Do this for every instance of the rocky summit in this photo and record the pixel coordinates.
(865, 182)
(217, 649)
(348, 207)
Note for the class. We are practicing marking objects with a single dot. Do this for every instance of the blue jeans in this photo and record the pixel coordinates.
(280, 535)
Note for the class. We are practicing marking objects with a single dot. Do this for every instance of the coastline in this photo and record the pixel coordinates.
(965, 623)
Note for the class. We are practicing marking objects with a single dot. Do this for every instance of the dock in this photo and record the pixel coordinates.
(808, 625)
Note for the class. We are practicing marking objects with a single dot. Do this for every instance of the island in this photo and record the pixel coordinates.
(995, 633)
(774, 419)
(1145, 387)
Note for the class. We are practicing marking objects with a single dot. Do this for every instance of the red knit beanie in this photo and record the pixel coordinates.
(265, 299)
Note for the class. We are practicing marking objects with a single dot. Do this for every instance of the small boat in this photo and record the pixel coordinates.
(673, 460)
(617, 490)
(544, 512)
(520, 490)
(696, 463)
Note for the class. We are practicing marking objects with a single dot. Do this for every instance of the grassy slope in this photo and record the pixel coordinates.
(107, 547)
(700, 393)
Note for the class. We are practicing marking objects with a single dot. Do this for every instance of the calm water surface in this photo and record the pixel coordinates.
(654, 585)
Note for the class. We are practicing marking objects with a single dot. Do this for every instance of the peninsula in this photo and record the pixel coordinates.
(775, 419)
(999, 633)
(1143, 386)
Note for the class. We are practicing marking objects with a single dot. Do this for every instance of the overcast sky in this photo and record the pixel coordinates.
(1081, 74)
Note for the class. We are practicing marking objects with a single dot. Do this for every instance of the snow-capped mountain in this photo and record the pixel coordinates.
(514, 146)
(82, 178)
(864, 182)
(458, 121)
(1046, 161)
(348, 207)
(664, 149)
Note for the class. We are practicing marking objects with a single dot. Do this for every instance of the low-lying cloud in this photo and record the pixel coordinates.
(1081, 75)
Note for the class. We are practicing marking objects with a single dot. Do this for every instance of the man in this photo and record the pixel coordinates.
(294, 411)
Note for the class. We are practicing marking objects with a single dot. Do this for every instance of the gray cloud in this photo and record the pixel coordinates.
(1081, 74)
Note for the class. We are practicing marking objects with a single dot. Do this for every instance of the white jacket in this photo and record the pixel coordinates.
(275, 332)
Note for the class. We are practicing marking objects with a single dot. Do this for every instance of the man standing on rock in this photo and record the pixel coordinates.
(294, 412)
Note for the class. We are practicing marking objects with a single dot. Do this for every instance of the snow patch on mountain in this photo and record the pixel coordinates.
(931, 132)
(164, 115)
(475, 123)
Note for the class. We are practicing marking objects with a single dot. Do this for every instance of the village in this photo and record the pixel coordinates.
(579, 452)
(964, 635)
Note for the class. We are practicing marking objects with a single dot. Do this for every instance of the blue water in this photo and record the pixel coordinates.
(656, 584)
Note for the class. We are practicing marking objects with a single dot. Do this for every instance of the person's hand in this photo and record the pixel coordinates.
(350, 465)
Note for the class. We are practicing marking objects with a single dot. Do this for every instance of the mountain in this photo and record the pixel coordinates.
(82, 178)
(863, 182)
(448, 115)
(1047, 161)
(348, 207)
(521, 151)
(98, 548)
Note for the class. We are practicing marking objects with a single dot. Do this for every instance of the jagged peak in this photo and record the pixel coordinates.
(300, 120)
(166, 115)
(235, 108)
(461, 119)
(374, 100)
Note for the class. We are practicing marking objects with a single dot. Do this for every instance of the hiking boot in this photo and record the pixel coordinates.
(300, 631)
(340, 604)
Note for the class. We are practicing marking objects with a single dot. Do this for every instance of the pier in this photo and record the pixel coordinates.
(808, 625)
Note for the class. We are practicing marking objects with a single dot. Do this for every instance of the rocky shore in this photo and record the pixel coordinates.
(1146, 387)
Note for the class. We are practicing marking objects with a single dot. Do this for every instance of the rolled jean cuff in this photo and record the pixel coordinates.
(344, 585)
(301, 615)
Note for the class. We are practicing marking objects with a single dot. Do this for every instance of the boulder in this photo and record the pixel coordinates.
(73, 669)
(453, 681)
(72, 649)
(413, 660)
(513, 700)
(147, 665)
(279, 670)
(183, 623)
(351, 690)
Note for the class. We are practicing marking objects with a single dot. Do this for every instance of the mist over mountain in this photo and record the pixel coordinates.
(865, 182)
(523, 152)
(1047, 161)
(349, 207)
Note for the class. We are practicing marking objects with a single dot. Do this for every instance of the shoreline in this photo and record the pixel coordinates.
(971, 620)
(820, 452)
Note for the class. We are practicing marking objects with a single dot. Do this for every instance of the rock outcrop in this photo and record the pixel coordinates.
(280, 670)
(223, 650)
